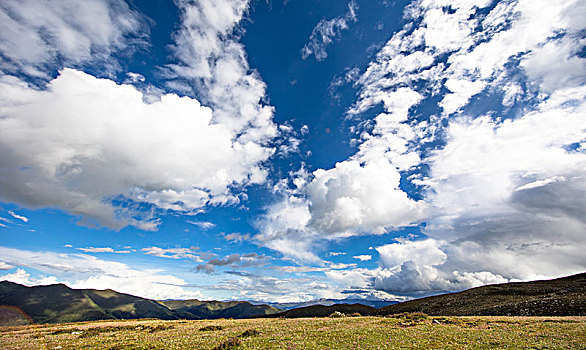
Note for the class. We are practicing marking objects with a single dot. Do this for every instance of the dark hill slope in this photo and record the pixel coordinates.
(324, 311)
(58, 303)
(218, 309)
(559, 297)
(126, 306)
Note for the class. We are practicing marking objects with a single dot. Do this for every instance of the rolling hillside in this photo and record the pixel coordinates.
(325, 311)
(58, 303)
(559, 297)
(218, 309)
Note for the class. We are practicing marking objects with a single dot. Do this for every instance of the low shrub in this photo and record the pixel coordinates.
(249, 333)
(412, 316)
(229, 344)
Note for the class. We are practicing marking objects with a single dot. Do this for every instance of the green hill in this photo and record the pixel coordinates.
(58, 303)
(218, 309)
(559, 297)
(325, 311)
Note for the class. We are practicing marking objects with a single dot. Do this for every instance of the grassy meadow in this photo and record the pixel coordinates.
(406, 331)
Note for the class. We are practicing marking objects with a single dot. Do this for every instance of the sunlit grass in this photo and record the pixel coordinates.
(399, 332)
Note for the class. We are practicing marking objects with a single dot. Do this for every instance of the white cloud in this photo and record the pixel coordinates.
(357, 278)
(283, 229)
(35, 34)
(503, 198)
(290, 140)
(82, 156)
(97, 250)
(20, 276)
(264, 288)
(5, 266)
(485, 163)
(363, 257)
(336, 253)
(233, 261)
(147, 284)
(213, 62)
(358, 198)
(85, 271)
(540, 183)
(236, 237)
(326, 31)
(301, 269)
(498, 190)
(350, 199)
(173, 253)
(340, 266)
(202, 224)
(425, 252)
(103, 250)
(134, 78)
(8, 221)
(19, 217)
(120, 149)
(412, 268)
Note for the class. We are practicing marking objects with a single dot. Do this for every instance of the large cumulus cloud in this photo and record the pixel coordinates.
(85, 140)
(497, 138)
(95, 148)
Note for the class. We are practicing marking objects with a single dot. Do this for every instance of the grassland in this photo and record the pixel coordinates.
(398, 332)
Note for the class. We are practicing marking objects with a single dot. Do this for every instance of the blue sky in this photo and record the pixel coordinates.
(291, 150)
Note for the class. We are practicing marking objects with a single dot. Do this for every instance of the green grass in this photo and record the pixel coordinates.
(399, 332)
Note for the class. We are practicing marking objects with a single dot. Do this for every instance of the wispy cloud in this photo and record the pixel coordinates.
(202, 224)
(19, 217)
(236, 237)
(173, 253)
(103, 250)
(66, 32)
(211, 60)
(336, 253)
(5, 266)
(86, 271)
(233, 260)
(300, 269)
(363, 257)
(326, 31)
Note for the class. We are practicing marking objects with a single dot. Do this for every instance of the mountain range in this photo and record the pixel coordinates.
(58, 303)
